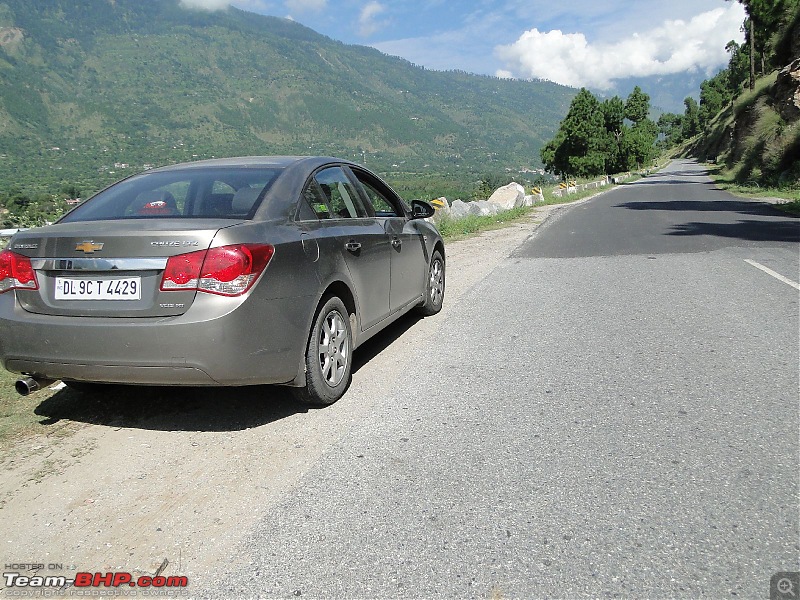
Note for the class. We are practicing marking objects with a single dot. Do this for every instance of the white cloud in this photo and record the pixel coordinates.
(212, 5)
(367, 20)
(206, 4)
(674, 47)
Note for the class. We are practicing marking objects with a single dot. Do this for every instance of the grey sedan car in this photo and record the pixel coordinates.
(240, 271)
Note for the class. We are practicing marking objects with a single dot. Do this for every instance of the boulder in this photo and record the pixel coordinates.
(485, 208)
(532, 199)
(459, 209)
(474, 209)
(509, 196)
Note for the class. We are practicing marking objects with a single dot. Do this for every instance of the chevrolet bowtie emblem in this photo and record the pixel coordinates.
(89, 247)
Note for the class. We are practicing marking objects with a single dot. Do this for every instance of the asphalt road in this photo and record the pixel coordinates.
(612, 412)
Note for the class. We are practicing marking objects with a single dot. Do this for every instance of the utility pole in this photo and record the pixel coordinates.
(752, 55)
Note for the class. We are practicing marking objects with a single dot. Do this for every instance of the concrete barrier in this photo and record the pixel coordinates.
(571, 187)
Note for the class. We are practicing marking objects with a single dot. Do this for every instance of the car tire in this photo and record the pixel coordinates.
(434, 288)
(329, 356)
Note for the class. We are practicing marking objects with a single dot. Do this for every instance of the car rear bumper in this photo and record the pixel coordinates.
(201, 347)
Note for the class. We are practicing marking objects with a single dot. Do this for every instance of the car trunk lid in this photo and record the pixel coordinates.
(109, 269)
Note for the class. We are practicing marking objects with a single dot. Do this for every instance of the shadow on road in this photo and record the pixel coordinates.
(757, 231)
(374, 346)
(741, 207)
(195, 408)
(685, 173)
(656, 180)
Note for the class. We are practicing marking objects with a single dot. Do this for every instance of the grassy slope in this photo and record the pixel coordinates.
(754, 150)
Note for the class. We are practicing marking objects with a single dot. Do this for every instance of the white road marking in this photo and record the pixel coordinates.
(769, 271)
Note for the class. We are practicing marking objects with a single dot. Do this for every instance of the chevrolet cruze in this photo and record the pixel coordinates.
(240, 271)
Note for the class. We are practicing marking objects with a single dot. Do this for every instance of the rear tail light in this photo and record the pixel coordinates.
(227, 270)
(16, 272)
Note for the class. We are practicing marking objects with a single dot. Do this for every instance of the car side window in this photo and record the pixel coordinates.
(381, 205)
(316, 200)
(340, 197)
(377, 197)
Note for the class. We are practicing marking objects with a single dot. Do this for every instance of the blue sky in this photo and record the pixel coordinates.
(592, 43)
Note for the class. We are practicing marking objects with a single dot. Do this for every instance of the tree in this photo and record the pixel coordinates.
(671, 126)
(737, 66)
(639, 148)
(637, 106)
(752, 54)
(577, 148)
(714, 95)
(691, 118)
(764, 19)
(613, 114)
(594, 137)
(641, 142)
(616, 130)
(70, 190)
(17, 201)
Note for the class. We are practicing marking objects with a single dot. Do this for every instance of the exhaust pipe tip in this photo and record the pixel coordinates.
(28, 385)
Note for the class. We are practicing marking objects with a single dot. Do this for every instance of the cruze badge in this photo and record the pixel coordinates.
(89, 247)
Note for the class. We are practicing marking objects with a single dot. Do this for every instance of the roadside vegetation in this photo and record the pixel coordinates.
(725, 179)
(746, 122)
(454, 229)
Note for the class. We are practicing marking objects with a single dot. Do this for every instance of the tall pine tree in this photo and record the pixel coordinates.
(577, 150)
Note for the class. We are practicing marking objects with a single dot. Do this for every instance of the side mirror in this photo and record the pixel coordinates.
(421, 209)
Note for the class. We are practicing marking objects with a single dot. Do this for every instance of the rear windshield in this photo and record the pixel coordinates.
(195, 193)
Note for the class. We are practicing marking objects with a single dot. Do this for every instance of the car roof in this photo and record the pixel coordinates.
(254, 162)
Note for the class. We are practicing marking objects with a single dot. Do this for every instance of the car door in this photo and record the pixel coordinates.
(408, 258)
(345, 228)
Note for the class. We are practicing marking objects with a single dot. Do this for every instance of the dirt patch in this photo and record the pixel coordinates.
(10, 37)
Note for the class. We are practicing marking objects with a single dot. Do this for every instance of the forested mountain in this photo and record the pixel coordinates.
(93, 90)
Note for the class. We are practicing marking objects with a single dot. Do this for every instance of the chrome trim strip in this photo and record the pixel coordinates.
(98, 264)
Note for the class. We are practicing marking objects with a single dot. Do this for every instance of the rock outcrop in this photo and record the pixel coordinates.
(787, 91)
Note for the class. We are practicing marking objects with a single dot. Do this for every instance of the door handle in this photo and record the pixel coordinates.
(397, 242)
(353, 246)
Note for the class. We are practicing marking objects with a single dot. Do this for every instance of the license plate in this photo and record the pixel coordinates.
(128, 288)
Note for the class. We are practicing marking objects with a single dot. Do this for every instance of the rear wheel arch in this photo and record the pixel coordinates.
(440, 247)
(342, 291)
